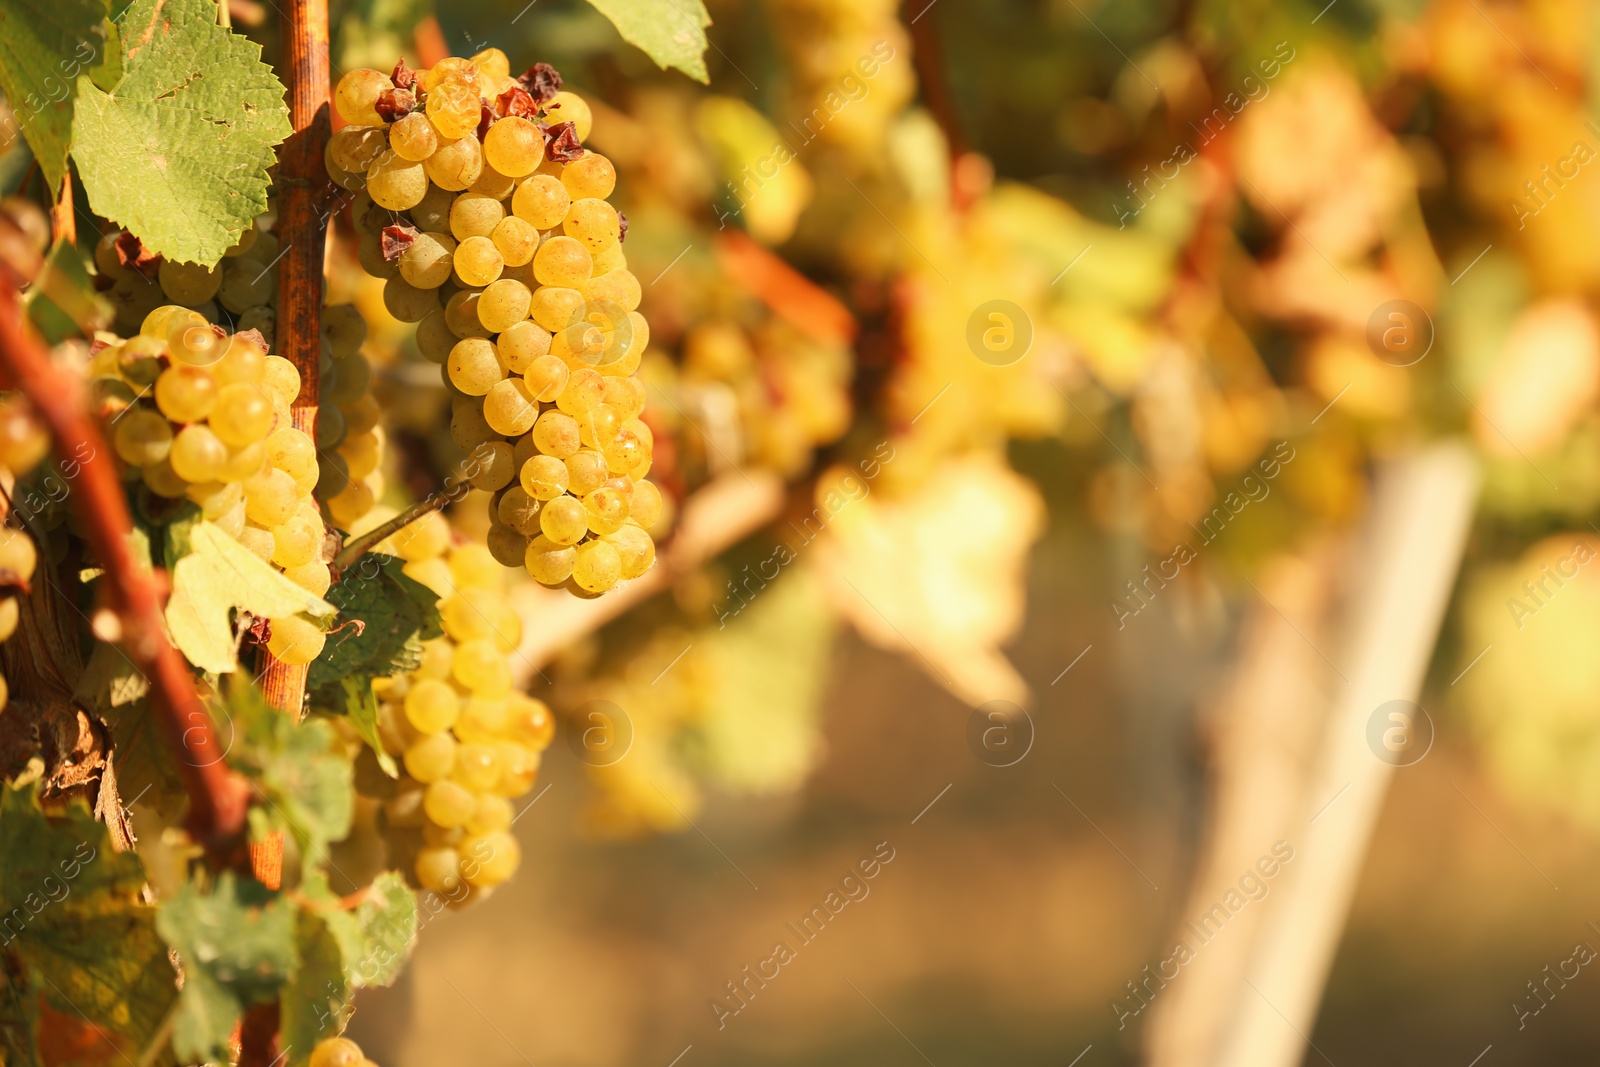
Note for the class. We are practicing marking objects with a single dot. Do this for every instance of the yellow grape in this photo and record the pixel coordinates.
(477, 261)
(514, 146)
(523, 346)
(516, 240)
(448, 803)
(477, 767)
(242, 414)
(455, 165)
(475, 215)
(556, 308)
(645, 505)
(185, 393)
(597, 566)
(509, 409)
(562, 261)
(636, 551)
(197, 454)
(428, 262)
(413, 137)
(556, 434)
(432, 757)
(142, 437)
(544, 477)
(518, 509)
(481, 666)
(455, 108)
(591, 175)
(569, 107)
(270, 498)
(586, 471)
(438, 869)
(564, 520)
(295, 640)
(584, 390)
(542, 201)
(395, 183)
(474, 366)
(356, 96)
(594, 222)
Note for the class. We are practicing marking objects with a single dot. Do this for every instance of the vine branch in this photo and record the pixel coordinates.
(359, 546)
(217, 798)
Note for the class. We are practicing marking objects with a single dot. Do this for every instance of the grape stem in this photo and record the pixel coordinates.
(217, 797)
(303, 200)
(359, 546)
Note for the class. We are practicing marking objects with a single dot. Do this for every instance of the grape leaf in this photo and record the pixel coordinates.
(316, 1002)
(361, 706)
(397, 614)
(671, 32)
(377, 934)
(44, 46)
(72, 926)
(178, 152)
(237, 947)
(218, 574)
(297, 766)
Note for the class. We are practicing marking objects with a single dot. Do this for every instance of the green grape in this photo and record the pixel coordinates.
(461, 312)
(197, 454)
(356, 96)
(626, 396)
(242, 414)
(362, 454)
(519, 510)
(352, 374)
(337, 1051)
(314, 577)
(344, 329)
(493, 466)
(491, 813)
(584, 390)
(490, 860)
(438, 869)
(17, 553)
(509, 408)
(295, 640)
(569, 107)
(395, 183)
(448, 803)
(618, 288)
(369, 253)
(556, 434)
(351, 503)
(506, 545)
(480, 665)
(542, 201)
(191, 284)
(475, 215)
(522, 345)
(593, 222)
(354, 148)
(432, 215)
(435, 339)
(244, 463)
(503, 304)
(185, 393)
(477, 766)
(547, 376)
(564, 520)
(162, 480)
(330, 428)
(244, 362)
(455, 107)
(333, 477)
(246, 284)
(586, 471)
(562, 261)
(477, 261)
(468, 429)
(408, 303)
(514, 146)
(473, 366)
(141, 437)
(516, 240)
(269, 498)
(645, 505)
(590, 176)
(455, 165)
(607, 506)
(431, 758)
(636, 552)
(413, 137)
(296, 542)
(193, 340)
(428, 262)
(598, 426)
(544, 477)
(492, 183)
(581, 345)
(597, 566)
(555, 308)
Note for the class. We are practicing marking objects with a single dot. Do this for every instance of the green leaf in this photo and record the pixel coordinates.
(178, 152)
(361, 706)
(71, 916)
(220, 574)
(237, 947)
(397, 614)
(297, 765)
(671, 32)
(376, 936)
(44, 46)
(316, 1001)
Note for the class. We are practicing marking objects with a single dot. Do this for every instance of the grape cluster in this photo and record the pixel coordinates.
(490, 225)
(23, 443)
(339, 1052)
(348, 433)
(468, 742)
(239, 290)
(196, 413)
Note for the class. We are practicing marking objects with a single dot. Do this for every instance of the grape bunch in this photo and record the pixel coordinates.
(468, 742)
(23, 443)
(339, 1052)
(238, 291)
(197, 413)
(489, 223)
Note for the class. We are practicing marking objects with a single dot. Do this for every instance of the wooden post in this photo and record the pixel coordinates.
(303, 199)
